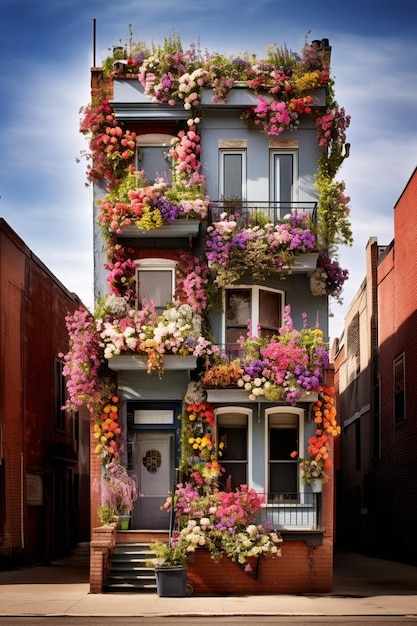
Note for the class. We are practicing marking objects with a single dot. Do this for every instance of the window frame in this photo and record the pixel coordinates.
(155, 265)
(223, 152)
(273, 195)
(285, 411)
(154, 140)
(254, 307)
(249, 416)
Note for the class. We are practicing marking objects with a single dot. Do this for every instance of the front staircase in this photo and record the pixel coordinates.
(128, 570)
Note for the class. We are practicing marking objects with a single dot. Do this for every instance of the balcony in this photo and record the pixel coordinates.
(251, 212)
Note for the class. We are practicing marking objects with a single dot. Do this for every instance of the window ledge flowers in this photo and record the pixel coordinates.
(233, 251)
(176, 331)
(281, 368)
(223, 522)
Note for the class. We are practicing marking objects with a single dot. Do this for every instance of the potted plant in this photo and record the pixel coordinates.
(313, 473)
(169, 564)
(118, 491)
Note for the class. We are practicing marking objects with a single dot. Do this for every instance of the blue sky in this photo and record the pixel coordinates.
(46, 55)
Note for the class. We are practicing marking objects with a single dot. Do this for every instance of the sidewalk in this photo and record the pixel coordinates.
(362, 586)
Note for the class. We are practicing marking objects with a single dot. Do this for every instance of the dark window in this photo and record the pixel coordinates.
(60, 396)
(283, 470)
(399, 389)
(232, 434)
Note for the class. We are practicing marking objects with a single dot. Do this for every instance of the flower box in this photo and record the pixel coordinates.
(241, 396)
(140, 362)
(178, 228)
(304, 263)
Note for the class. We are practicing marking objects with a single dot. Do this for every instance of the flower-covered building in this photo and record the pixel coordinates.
(205, 366)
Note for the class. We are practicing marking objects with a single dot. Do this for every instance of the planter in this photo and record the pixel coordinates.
(177, 228)
(242, 397)
(139, 362)
(316, 486)
(124, 521)
(171, 581)
(304, 263)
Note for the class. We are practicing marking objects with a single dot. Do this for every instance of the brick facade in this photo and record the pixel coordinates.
(43, 491)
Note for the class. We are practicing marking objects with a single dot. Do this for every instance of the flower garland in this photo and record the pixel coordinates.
(111, 148)
(107, 430)
(318, 448)
(197, 438)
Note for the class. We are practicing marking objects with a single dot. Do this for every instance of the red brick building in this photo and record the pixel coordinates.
(375, 362)
(44, 452)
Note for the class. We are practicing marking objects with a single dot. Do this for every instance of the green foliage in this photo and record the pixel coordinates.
(106, 514)
(334, 223)
(167, 556)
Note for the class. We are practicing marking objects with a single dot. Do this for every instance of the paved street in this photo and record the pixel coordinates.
(364, 587)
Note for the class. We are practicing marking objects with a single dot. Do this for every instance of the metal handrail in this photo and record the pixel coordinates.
(293, 510)
(248, 212)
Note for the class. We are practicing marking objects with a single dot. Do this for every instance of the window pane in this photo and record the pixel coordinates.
(238, 308)
(283, 174)
(282, 478)
(232, 175)
(282, 441)
(234, 476)
(269, 310)
(234, 442)
(153, 160)
(156, 286)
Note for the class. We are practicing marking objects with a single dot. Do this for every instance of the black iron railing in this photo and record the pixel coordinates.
(252, 212)
(302, 510)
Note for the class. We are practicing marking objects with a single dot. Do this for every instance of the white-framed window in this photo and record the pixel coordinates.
(284, 434)
(261, 305)
(232, 173)
(155, 279)
(283, 179)
(233, 431)
(152, 156)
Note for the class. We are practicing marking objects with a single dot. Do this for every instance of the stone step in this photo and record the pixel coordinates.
(128, 569)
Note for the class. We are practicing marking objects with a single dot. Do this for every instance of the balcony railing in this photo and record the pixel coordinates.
(249, 212)
(298, 511)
